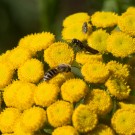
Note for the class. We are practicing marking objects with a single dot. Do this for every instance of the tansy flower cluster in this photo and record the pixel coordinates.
(81, 85)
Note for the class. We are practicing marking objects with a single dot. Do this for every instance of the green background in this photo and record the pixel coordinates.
(22, 17)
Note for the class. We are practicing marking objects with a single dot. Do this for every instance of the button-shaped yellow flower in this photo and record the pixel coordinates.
(84, 119)
(46, 94)
(95, 72)
(99, 101)
(8, 118)
(58, 53)
(31, 71)
(65, 130)
(33, 119)
(60, 113)
(74, 90)
(123, 121)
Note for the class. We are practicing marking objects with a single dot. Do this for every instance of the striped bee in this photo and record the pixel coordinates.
(53, 72)
(85, 27)
(82, 46)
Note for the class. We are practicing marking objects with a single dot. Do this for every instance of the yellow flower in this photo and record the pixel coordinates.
(8, 118)
(127, 24)
(95, 72)
(4, 57)
(74, 90)
(99, 101)
(98, 40)
(101, 129)
(75, 18)
(33, 119)
(18, 56)
(24, 95)
(10, 93)
(104, 19)
(129, 11)
(60, 78)
(118, 88)
(118, 70)
(120, 44)
(31, 71)
(37, 42)
(60, 113)
(18, 129)
(123, 122)
(126, 106)
(6, 75)
(82, 57)
(65, 130)
(58, 53)
(84, 119)
(75, 31)
(46, 94)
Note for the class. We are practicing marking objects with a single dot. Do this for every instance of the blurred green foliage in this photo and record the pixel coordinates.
(21, 17)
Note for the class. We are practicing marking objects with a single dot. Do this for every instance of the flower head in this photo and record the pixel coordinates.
(37, 42)
(58, 53)
(8, 118)
(120, 44)
(82, 58)
(75, 31)
(60, 113)
(99, 101)
(33, 119)
(98, 40)
(118, 88)
(18, 56)
(6, 75)
(127, 24)
(84, 119)
(95, 72)
(75, 18)
(101, 129)
(104, 19)
(46, 94)
(74, 90)
(31, 71)
(118, 70)
(60, 78)
(69, 131)
(123, 121)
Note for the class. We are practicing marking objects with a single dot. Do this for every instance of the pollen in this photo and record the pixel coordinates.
(46, 94)
(84, 119)
(95, 72)
(74, 90)
(60, 113)
(28, 72)
(58, 53)
(99, 101)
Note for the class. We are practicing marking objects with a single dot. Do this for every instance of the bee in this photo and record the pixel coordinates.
(59, 69)
(82, 46)
(85, 27)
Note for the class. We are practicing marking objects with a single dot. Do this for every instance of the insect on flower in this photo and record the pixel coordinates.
(85, 27)
(59, 69)
(82, 46)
